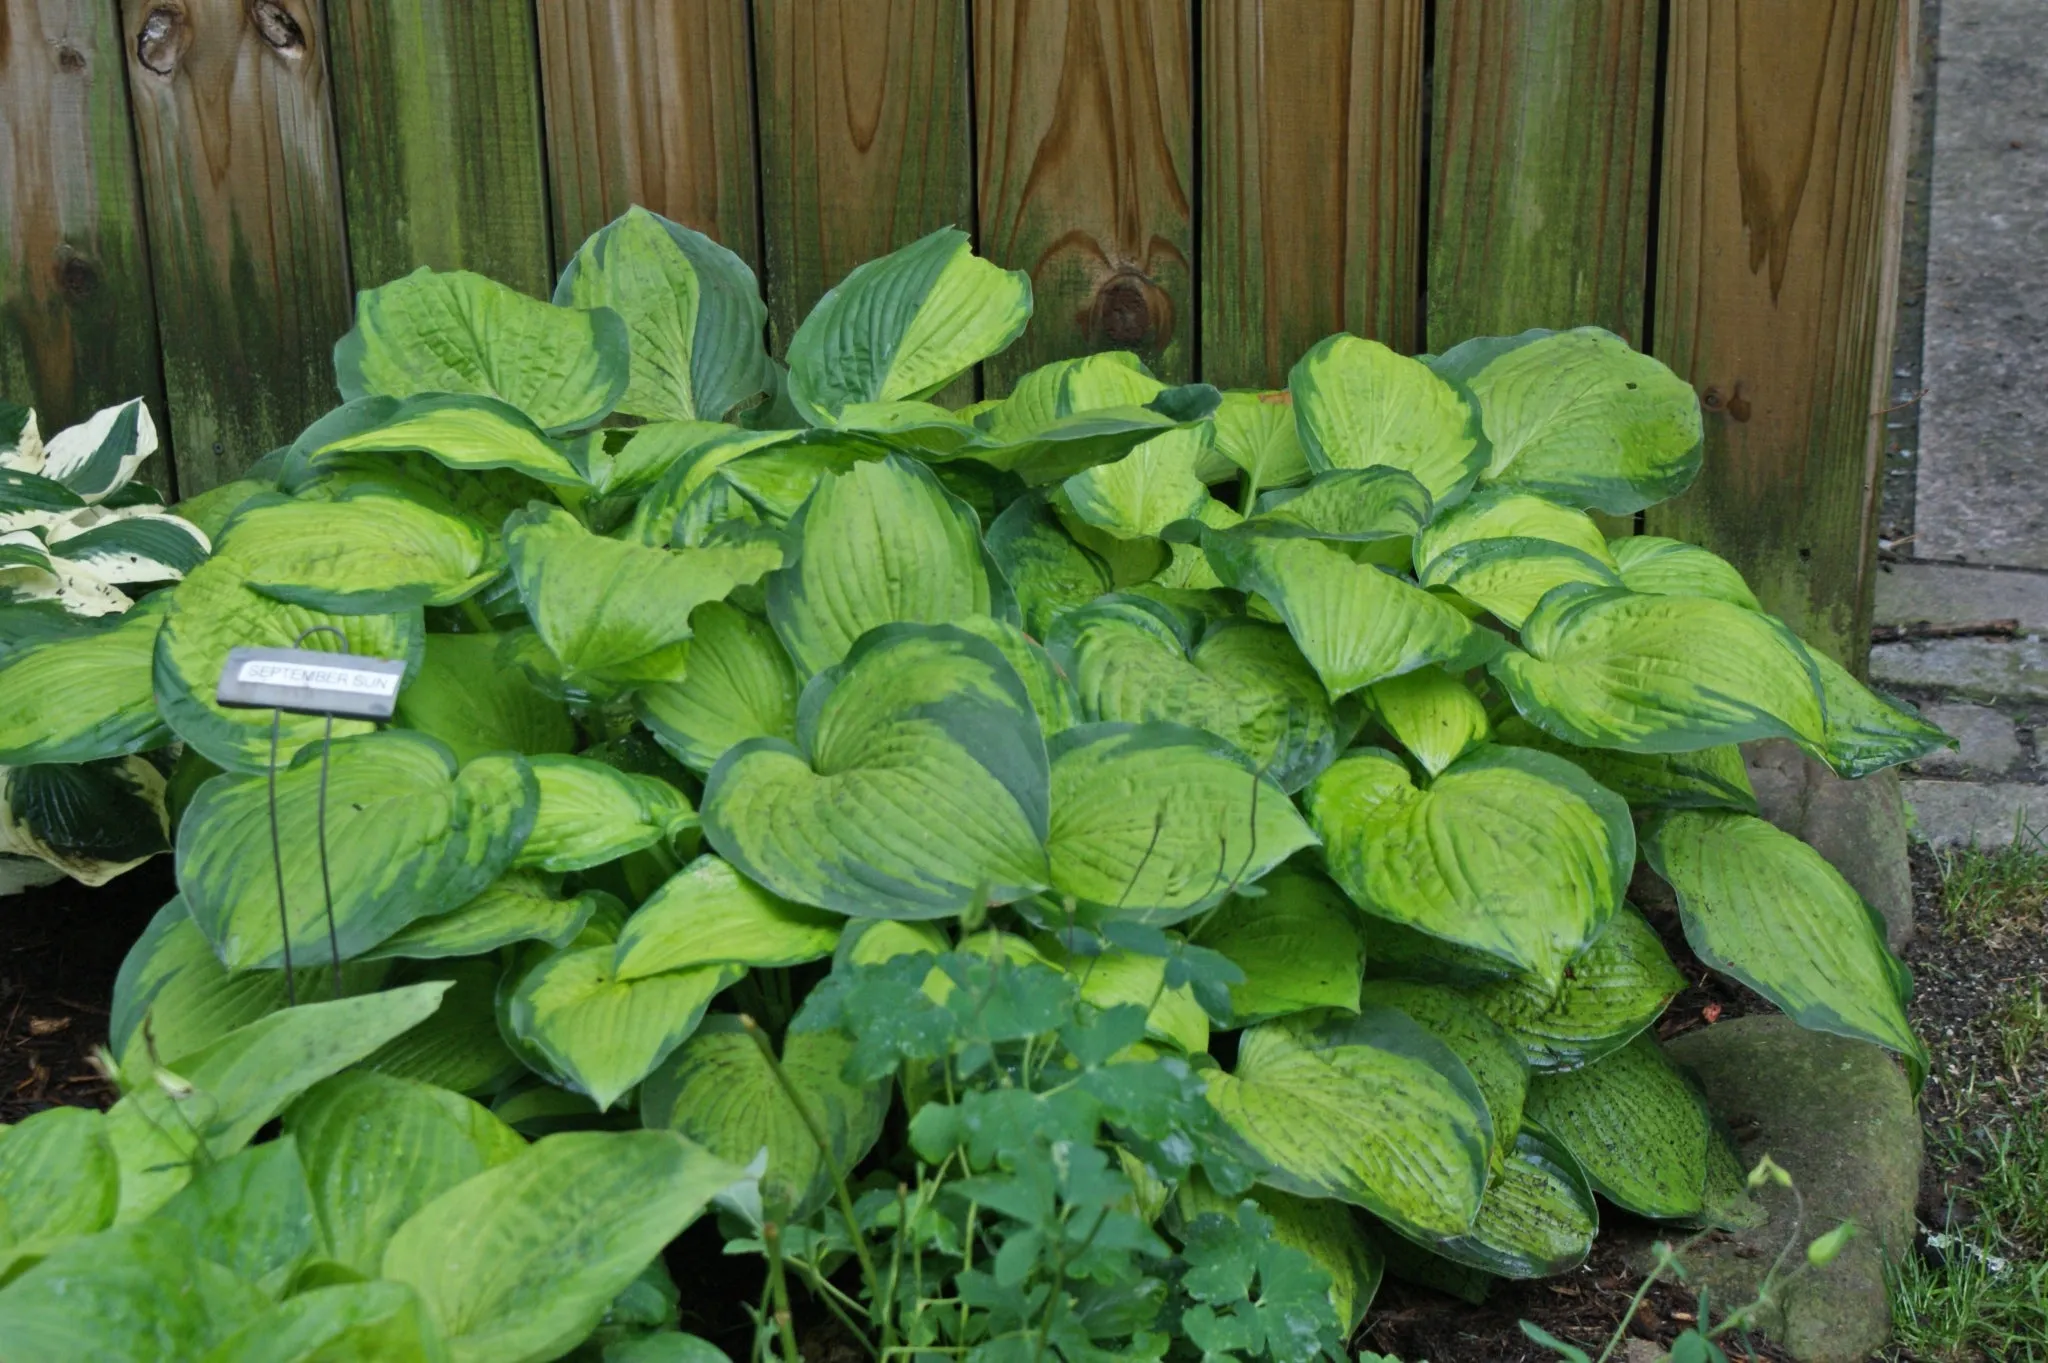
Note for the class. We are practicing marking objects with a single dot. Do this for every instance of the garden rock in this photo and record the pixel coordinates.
(1838, 1116)
(1859, 826)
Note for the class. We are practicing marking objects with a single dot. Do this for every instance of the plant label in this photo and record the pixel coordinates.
(306, 681)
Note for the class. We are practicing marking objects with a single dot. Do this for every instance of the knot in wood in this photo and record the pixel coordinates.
(1128, 309)
(76, 276)
(161, 39)
(70, 59)
(277, 27)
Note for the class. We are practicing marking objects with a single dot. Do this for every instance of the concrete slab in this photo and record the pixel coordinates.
(1984, 669)
(1982, 493)
(1990, 743)
(1942, 594)
(1951, 813)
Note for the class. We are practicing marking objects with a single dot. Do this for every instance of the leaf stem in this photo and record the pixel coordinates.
(778, 1288)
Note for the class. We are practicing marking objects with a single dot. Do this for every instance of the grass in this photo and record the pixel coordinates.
(1987, 891)
(2022, 1027)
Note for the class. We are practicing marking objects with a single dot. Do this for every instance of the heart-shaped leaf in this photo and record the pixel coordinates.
(78, 697)
(1148, 489)
(1299, 945)
(1508, 577)
(366, 551)
(518, 906)
(1358, 404)
(464, 433)
(1349, 506)
(1433, 714)
(1636, 1126)
(1256, 432)
(1538, 1217)
(1503, 513)
(708, 914)
(739, 685)
(602, 1033)
(1656, 566)
(916, 787)
(1487, 1051)
(1617, 987)
(591, 813)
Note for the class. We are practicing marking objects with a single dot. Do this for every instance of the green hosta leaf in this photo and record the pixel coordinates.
(1172, 1016)
(486, 1256)
(209, 511)
(1130, 561)
(1636, 1126)
(591, 813)
(1652, 674)
(1704, 778)
(719, 1091)
(871, 941)
(1656, 566)
(407, 836)
(251, 1214)
(708, 914)
(1372, 1111)
(1864, 732)
(904, 326)
(338, 1324)
(617, 615)
(751, 476)
(213, 611)
(368, 551)
(1578, 416)
(1072, 415)
(1354, 623)
(740, 685)
(1488, 1052)
(1617, 987)
(377, 1149)
(1052, 695)
(1256, 432)
(91, 820)
(58, 1182)
(1134, 660)
(1511, 852)
(916, 787)
(1765, 908)
(627, 461)
(516, 907)
(603, 1033)
(460, 1047)
(83, 696)
(1327, 1232)
(462, 697)
(451, 331)
(1508, 577)
(1148, 489)
(1503, 513)
(1047, 569)
(462, 434)
(1159, 821)
(693, 310)
(1538, 1218)
(1349, 506)
(1358, 404)
(1433, 714)
(136, 1294)
(883, 542)
(1299, 944)
(1188, 570)
(236, 1084)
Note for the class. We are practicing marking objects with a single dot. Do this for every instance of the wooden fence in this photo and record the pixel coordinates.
(194, 188)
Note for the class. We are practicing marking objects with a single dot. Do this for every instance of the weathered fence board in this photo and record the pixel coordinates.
(868, 147)
(1540, 166)
(1312, 126)
(245, 221)
(437, 113)
(650, 102)
(1085, 158)
(1770, 282)
(77, 321)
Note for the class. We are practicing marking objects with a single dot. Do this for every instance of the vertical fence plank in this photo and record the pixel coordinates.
(1540, 166)
(1085, 167)
(245, 225)
(863, 138)
(437, 114)
(1770, 287)
(77, 325)
(1312, 127)
(650, 102)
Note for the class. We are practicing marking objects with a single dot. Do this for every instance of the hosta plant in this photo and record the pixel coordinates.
(1151, 828)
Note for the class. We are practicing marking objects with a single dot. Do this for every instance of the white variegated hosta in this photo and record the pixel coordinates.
(72, 532)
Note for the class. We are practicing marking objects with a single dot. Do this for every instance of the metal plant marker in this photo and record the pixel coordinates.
(308, 682)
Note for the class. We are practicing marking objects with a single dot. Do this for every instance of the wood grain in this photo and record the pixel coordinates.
(1085, 169)
(1312, 127)
(245, 221)
(863, 139)
(77, 324)
(1770, 291)
(650, 102)
(1540, 166)
(437, 114)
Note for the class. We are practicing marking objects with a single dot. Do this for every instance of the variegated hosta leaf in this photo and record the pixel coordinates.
(366, 551)
(518, 906)
(739, 685)
(1617, 987)
(451, 331)
(1580, 417)
(459, 1048)
(1256, 432)
(91, 820)
(1763, 907)
(407, 836)
(725, 473)
(1705, 778)
(1327, 1232)
(1071, 415)
(1148, 489)
(1299, 944)
(719, 1091)
(1369, 1110)
(1508, 577)
(883, 542)
(917, 784)
(1376, 505)
(1432, 714)
(462, 433)
(1133, 659)
(604, 1034)
(460, 696)
(1485, 1049)
(1358, 404)
(1636, 1125)
(97, 457)
(1656, 566)
(1503, 513)
(1158, 822)
(1173, 1017)
(71, 587)
(1511, 852)
(693, 310)
(129, 543)
(709, 914)
(1653, 674)
(77, 697)
(1538, 1217)
(1354, 623)
(1047, 569)
(591, 813)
